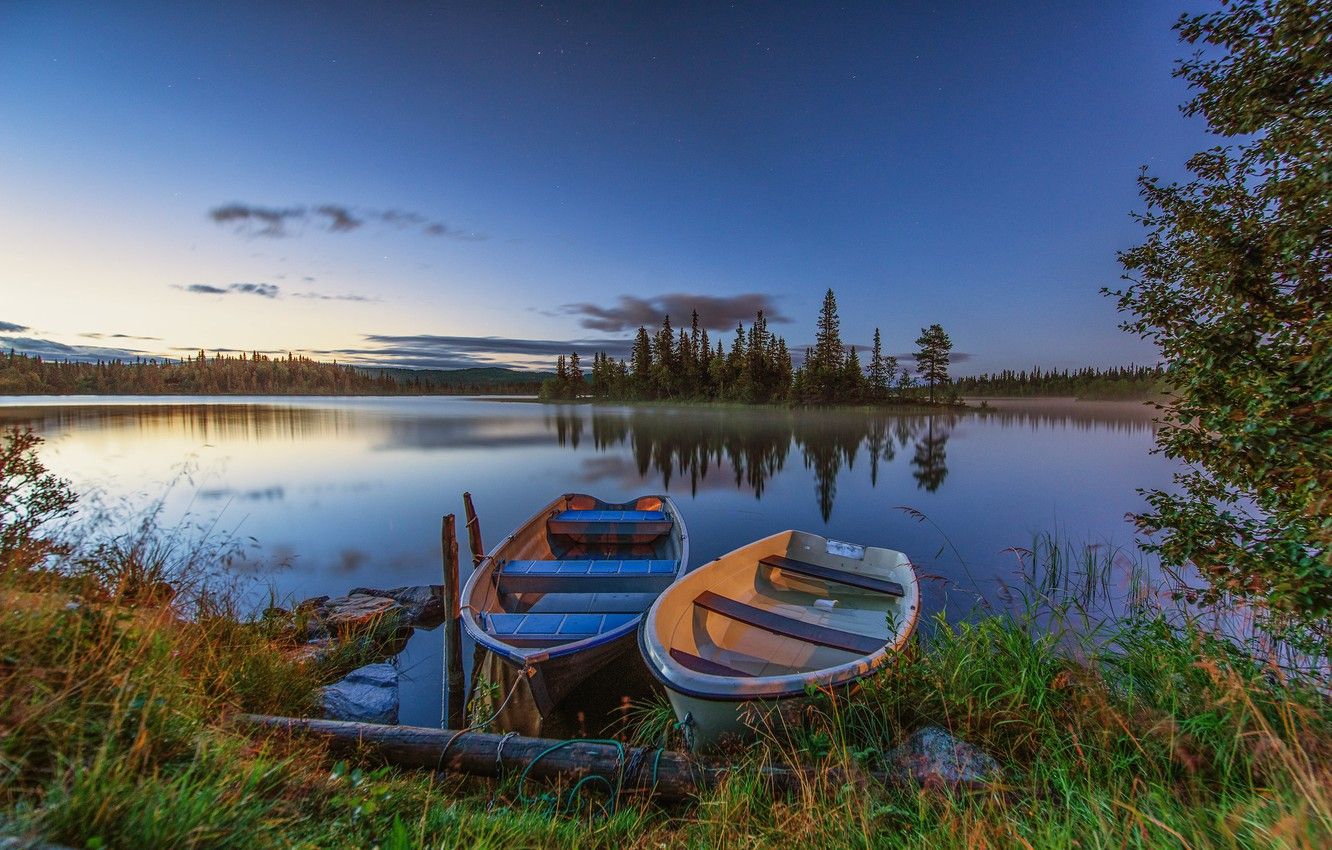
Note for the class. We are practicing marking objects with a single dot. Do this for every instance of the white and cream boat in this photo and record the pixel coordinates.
(763, 623)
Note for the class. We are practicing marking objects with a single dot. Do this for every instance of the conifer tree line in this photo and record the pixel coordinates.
(251, 373)
(1088, 382)
(754, 366)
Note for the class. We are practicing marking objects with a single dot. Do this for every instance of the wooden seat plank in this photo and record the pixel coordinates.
(586, 576)
(610, 526)
(790, 565)
(705, 666)
(537, 630)
(779, 624)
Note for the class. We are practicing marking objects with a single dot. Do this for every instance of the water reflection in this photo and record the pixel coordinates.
(930, 462)
(747, 449)
(701, 448)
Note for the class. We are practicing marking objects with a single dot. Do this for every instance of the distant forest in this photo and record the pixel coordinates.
(1124, 382)
(247, 374)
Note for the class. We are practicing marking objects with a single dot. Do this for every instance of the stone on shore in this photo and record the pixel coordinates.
(358, 611)
(934, 758)
(422, 604)
(367, 694)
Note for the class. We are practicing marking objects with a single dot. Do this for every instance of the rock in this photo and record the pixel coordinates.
(314, 603)
(315, 630)
(368, 694)
(933, 757)
(312, 652)
(423, 604)
(358, 611)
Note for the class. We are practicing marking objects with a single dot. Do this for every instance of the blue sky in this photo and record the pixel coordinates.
(485, 183)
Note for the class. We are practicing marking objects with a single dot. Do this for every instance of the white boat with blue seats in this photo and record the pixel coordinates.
(563, 595)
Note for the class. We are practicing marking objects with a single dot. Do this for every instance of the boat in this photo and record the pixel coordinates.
(564, 594)
(762, 624)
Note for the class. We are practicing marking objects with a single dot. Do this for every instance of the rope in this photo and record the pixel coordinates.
(555, 802)
(439, 765)
(499, 770)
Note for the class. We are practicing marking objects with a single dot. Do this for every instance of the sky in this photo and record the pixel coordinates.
(449, 185)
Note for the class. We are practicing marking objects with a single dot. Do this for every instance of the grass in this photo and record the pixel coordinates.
(1139, 731)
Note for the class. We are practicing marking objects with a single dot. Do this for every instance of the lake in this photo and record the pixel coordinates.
(331, 493)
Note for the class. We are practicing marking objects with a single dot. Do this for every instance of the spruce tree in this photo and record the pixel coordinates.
(933, 349)
(575, 376)
(641, 363)
(828, 349)
(878, 373)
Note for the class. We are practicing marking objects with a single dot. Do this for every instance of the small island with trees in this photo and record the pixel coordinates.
(758, 368)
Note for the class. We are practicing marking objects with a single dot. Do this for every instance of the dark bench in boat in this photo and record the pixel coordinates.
(803, 568)
(610, 526)
(586, 576)
(537, 630)
(703, 665)
(789, 626)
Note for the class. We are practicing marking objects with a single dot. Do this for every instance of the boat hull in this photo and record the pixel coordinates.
(524, 696)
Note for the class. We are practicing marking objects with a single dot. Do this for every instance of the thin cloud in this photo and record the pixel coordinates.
(95, 335)
(715, 312)
(10, 327)
(430, 351)
(279, 222)
(257, 221)
(319, 296)
(438, 228)
(953, 357)
(263, 290)
(339, 219)
(52, 350)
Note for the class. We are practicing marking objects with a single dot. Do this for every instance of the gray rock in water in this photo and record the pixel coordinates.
(422, 604)
(933, 757)
(368, 694)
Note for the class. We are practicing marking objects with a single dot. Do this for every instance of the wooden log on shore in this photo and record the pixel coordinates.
(642, 770)
(454, 684)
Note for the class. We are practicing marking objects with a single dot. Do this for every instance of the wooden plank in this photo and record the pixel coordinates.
(789, 626)
(703, 665)
(610, 526)
(790, 565)
(587, 576)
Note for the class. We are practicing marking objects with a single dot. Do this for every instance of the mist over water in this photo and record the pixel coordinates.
(341, 492)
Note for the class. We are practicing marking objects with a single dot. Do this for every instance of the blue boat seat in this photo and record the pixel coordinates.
(610, 526)
(586, 576)
(551, 629)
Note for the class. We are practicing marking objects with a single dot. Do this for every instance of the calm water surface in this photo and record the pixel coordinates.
(339, 492)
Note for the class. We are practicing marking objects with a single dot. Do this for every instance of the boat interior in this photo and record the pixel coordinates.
(790, 604)
(578, 570)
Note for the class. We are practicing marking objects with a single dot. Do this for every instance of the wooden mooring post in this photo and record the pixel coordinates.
(473, 531)
(454, 703)
(640, 770)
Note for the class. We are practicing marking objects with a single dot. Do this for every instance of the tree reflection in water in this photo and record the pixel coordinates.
(931, 458)
(751, 446)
